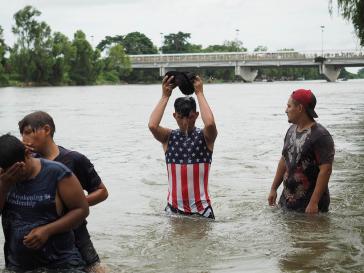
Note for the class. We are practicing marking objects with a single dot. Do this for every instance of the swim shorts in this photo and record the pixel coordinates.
(85, 246)
(207, 213)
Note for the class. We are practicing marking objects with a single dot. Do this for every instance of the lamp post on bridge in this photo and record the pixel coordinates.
(161, 51)
(92, 40)
(237, 34)
(322, 40)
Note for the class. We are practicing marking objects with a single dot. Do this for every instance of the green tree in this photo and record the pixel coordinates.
(227, 46)
(134, 43)
(289, 73)
(193, 48)
(137, 43)
(344, 74)
(109, 41)
(235, 46)
(117, 64)
(352, 10)
(62, 52)
(178, 43)
(286, 49)
(3, 48)
(83, 60)
(261, 48)
(215, 48)
(361, 73)
(42, 54)
(32, 51)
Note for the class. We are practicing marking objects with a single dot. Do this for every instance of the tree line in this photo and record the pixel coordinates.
(42, 57)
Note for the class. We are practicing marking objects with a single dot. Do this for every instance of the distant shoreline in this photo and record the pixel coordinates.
(158, 82)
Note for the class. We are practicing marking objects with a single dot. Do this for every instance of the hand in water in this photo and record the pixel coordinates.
(272, 197)
(312, 208)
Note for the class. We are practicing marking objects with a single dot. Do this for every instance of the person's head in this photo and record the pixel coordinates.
(301, 104)
(185, 113)
(12, 150)
(37, 130)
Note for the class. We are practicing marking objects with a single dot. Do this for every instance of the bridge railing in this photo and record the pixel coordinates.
(241, 56)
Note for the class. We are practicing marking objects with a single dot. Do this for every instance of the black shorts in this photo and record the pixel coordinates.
(85, 246)
(207, 213)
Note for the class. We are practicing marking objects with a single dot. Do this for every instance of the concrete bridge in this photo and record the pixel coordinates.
(247, 63)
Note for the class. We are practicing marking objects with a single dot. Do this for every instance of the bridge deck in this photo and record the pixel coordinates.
(280, 58)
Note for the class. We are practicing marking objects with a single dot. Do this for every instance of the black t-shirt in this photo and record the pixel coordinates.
(82, 167)
(303, 153)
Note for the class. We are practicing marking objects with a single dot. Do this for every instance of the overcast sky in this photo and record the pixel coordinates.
(273, 23)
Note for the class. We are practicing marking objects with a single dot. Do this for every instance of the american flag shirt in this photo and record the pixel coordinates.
(188, 164)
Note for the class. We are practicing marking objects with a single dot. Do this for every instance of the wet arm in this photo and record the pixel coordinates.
(97, 196)
(161, 134)
(321, 186)
(278, 178)
(72, 196)
(71, 193)
(207, 116)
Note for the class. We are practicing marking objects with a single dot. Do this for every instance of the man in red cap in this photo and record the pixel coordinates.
(306, 163)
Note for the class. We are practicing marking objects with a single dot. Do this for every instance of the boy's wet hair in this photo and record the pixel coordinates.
(184, 106)
(12, 150)
(37, 120)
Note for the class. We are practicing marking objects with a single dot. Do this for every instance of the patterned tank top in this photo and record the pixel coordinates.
(188, 164)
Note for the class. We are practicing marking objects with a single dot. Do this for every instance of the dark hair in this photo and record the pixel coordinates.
(37, 120)
(185, 105)
(12, 150)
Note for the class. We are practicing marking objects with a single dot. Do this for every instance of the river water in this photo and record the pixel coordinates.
(130, 229)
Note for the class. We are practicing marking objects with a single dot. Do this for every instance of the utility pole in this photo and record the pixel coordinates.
(161, 33)
(322, 40)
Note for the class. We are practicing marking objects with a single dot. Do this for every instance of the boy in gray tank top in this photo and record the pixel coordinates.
(41, 202)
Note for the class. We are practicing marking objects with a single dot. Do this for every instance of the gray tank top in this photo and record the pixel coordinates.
(31, 204)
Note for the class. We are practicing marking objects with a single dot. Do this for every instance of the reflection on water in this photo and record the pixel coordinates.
(179, 240)
(131, 231)
(309, 237)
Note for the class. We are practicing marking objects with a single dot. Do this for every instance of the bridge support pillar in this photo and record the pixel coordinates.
(331, 72)
(248, 74)
(162, 71)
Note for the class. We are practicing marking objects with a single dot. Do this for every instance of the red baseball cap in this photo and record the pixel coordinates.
(307, 99)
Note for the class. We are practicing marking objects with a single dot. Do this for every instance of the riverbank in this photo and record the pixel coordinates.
(214, 81)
